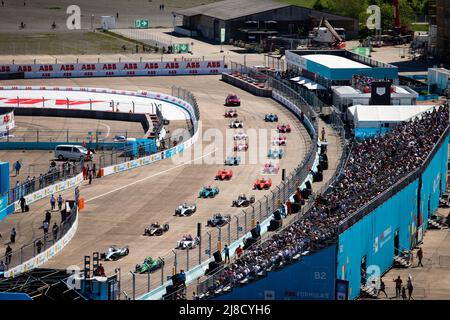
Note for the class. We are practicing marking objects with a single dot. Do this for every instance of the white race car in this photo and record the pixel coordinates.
(270, 168)
(241, 135)
(241, 147)
(114, 253)
(236, 124)
(188, 242)
(186, 210)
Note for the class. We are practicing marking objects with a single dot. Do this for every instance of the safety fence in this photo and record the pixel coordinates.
(240, 223)
(39, 245)
(54, 174)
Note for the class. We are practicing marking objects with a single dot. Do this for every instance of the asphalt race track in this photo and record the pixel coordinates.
(120, 206)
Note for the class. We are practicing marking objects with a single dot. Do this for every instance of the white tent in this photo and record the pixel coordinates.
(370, 116)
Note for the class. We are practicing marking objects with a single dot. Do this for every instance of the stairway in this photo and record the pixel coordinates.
(368, 292)
(401, 262)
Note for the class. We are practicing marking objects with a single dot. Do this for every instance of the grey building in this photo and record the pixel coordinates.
(256, 19)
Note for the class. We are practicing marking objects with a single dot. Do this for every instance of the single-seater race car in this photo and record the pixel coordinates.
(185, 209)
(271, 168)
(271, 117)
(187, 242)
(232, 161)
(231, 113)
(243, 201)
(241, 147)
(284, 128)
(241, 135)
(149, 265)
(279, 141)
(275, 154)
(114, 253)
(236, 124)
(262, 184)
(208, 192)
(232, 100)
(155, 229)
(218, 220)
(224, 174)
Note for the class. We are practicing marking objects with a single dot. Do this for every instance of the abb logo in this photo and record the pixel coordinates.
(5, 69)
(132, 66)
(67, 67)
(109, 66)
(172, 65)
(25, 68)
(45, 68)
(213, 64)
(151, 66)
(193, 65)
(88, 67)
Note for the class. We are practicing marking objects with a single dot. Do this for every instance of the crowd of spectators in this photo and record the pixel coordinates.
(373, 166)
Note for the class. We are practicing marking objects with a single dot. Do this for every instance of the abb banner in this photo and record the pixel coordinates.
(114, 69)
(6, 123)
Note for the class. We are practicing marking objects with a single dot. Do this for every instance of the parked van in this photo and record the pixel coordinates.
(72, 152)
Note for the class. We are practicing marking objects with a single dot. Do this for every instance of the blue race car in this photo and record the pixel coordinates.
(232, 161)
(275, 154)
(208, 192)
(271, 117)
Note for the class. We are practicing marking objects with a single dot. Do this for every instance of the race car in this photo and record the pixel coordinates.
(218, 220)
(232, 100)
(232, 161)
(188, 242)
(284, 128)
(271, 117)
(236, 124)
(114, 253)
(155, 229)
(241, 147)
(224, 174)
(149, 265)
(231, 113)
(275, 154)
(120, 139)
(208, 192)
(262, 183)
(270, 168)
(241, 135)
(279, 141)
(243, 201)
(186, 210)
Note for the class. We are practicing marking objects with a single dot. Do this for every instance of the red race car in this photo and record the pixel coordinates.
(231, 113)
(224, 174)
(284, 128)
(279, 141)
(232, 100)
(241, 147)
(262, 184)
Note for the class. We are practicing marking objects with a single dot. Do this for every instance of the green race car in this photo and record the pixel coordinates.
(149, 265)
(208, 192)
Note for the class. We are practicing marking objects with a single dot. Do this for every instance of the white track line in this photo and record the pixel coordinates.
(151, 176)
(107, 127)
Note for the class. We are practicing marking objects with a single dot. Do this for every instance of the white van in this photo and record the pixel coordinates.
(72, 152)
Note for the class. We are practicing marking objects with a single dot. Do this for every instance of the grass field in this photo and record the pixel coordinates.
(62, 43)
(301, 3)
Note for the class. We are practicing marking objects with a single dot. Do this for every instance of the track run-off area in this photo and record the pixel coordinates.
(120, 206)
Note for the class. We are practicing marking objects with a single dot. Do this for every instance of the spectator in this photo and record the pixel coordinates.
(84, 173)
(398, 286)
(226, 250)
(90, 177)
(403, 293)
(8, 255)
(2, 269)
(182, 277)
(52, 203)
(410, 287)
(48, 216)
(239, 252)
(420, 256)
(60, 202)
(55, 230)
(94, 170)
(39, 245)
(17, 166)
(382, 288)
(13, 235)
(323, 134)
(258, 229)
(45, 228)
(22, 204)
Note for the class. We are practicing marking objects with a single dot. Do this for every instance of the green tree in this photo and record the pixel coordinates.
(348, 8)
(318, 5)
